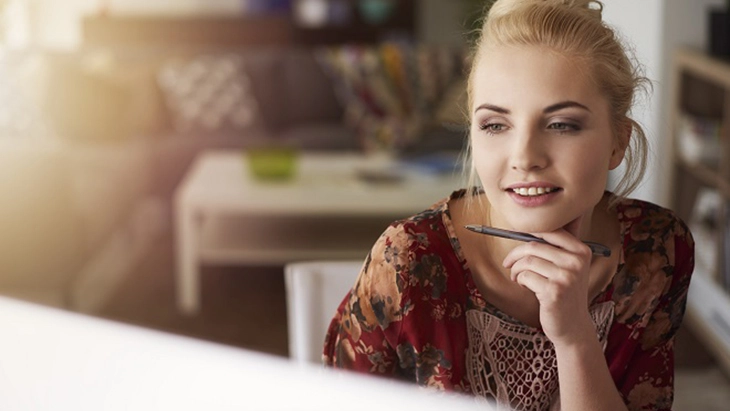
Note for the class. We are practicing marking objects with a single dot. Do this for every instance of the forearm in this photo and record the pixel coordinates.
(585, 382)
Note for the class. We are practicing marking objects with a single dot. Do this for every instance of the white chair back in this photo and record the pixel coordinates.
(314, 290)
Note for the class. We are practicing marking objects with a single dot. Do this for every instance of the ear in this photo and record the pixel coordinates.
(620, 144)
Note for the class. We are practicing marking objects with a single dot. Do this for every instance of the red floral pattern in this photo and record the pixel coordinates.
(405, 316)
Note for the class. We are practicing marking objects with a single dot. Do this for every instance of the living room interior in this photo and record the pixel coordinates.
(129, 126)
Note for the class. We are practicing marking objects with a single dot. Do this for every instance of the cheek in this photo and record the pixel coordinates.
(485, 174)
(591, 176)
(592, 161)
(486, 164)
(592, 155)
(487, 151)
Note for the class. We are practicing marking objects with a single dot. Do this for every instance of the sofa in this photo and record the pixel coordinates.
(88, 180)
(294, 97)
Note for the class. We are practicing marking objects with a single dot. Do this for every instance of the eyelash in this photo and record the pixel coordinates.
(565, 128)
(568, 127)
(486, 128)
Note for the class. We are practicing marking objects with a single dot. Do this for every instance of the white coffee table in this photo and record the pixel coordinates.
(226, 217)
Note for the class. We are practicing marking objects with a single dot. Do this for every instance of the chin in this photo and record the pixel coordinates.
(536, 227)
(537, 224)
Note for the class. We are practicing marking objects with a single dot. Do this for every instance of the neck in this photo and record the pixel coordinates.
(493, 218)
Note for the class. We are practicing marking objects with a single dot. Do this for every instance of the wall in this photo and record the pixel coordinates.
(46, 23)
(58, 23)
(653, 28)
(174, 7)
(640, 25)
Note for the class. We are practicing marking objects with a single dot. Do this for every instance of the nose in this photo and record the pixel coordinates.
(529, 152)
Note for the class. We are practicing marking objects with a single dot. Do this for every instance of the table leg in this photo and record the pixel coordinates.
(187, 238)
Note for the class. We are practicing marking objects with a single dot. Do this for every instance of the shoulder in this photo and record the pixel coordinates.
(410, 251)
(417, 232)
(633, 208)
(650, 227)
(658, 257)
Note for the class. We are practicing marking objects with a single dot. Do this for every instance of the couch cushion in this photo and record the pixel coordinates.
(264, 68)
(107, 181)
(42, 240)
(103, 95)
(309, 93)
(209, 93)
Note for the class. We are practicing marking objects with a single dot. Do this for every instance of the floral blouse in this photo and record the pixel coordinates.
(415, 313)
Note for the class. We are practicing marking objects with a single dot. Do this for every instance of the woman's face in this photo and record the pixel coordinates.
(541, 137)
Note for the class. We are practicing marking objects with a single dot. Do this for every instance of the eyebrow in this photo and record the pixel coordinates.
(549, 109)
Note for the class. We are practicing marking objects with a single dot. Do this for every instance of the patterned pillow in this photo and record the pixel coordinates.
(390, 91)
(208, 93)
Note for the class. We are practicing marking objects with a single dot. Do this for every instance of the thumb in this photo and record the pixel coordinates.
(574, 226)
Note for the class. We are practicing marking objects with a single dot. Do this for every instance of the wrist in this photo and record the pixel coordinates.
(582, 335)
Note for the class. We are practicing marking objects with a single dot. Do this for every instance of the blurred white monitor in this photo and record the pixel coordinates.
(56, 360)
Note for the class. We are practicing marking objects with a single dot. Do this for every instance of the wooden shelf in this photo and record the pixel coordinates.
(706, 175)
(704, 66)
(702, 88)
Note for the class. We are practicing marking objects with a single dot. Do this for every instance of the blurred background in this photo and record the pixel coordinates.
(106, 104)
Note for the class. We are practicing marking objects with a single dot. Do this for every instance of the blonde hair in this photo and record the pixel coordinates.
(574, 28)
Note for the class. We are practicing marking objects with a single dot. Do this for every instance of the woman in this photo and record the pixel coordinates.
(534, 326)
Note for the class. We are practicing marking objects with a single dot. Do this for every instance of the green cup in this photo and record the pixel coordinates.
(272, 163)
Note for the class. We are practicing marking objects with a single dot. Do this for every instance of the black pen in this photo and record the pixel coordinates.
(597, 249)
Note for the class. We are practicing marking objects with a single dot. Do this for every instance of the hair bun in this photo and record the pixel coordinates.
(593, 8)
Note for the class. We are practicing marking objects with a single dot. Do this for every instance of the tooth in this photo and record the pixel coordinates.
(531, 191)
(523, 191)
(540, 190)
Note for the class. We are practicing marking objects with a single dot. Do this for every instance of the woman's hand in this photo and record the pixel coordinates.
(558, 275)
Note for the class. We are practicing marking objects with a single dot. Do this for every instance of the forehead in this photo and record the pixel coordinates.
(507, 74)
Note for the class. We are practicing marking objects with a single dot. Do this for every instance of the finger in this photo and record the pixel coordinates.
(565, 241)
(546, 252)
(535, 264)
(532, 281)
(561, 238)
(567, 237)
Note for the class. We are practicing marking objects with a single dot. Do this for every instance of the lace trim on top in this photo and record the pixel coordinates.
(515, 364)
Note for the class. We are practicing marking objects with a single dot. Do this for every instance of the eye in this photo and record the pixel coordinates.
(564, 127)
(492, 128)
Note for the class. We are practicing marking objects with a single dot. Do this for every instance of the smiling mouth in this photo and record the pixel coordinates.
(533, 191)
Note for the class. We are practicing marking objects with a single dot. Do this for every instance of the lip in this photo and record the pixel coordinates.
(535, 201)
(536, 184)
